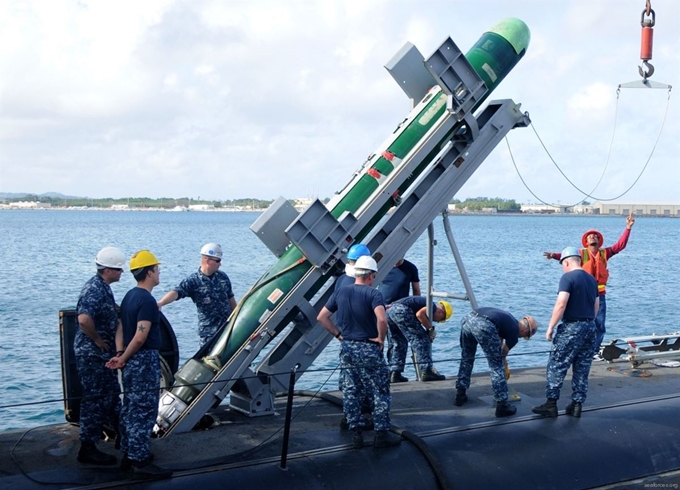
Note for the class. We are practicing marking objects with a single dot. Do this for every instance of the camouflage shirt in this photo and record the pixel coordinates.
(211, 295)
(96, 300)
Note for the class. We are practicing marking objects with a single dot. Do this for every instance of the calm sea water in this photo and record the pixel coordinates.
(47, 255)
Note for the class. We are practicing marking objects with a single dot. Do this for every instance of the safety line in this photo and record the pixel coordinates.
(205, 383)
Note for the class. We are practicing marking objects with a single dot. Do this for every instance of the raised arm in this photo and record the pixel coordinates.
(623, 239)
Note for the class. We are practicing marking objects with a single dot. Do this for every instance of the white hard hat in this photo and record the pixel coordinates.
(212, 250)
(110, 257)
(366, 262)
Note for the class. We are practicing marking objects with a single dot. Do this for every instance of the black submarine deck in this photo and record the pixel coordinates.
(628, 437)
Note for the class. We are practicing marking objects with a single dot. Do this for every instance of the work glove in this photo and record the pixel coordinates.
(507, 372)
(432, 333)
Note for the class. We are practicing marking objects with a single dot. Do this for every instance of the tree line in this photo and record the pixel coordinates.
(141, 202)
(471, 204)
(480, 203)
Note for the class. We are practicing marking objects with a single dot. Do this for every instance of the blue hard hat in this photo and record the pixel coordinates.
(357, 250)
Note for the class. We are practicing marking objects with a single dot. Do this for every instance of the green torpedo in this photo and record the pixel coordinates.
(493, 56)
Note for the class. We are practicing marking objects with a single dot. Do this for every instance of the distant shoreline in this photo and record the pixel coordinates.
(262, 210)
(169, 210)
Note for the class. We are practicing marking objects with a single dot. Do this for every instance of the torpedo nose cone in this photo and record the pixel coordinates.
(515, 32)
(499, 49)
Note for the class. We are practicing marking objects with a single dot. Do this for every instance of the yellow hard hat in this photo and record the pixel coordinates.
(532, 324)
(448, 309)
(141, 259)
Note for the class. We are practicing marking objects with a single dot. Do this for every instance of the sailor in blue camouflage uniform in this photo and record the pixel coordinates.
(573, 334)
(361, 328)
(355, 251)
(395, 286)
(496, 331)
(139, 360)
(210, 289)
(409, 315)
(94, 345)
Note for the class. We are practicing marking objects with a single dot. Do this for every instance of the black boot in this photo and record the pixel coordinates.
(461, 397)
(504, 409)
(357, 439)
(548, 409)
(146, 469)
(431, 374)
(573, 409)
(365, 424)
(385, 438)
(397, 377)
(90, 454)
(126, 463)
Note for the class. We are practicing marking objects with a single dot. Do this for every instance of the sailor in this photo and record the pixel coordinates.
(496, 331)
(361, 329)
(573, 339)
(409, 315)
(140, 336)
(396, 285)
(594, 261)
(402, 277)
(210, 289)
(94, 345)
(355, 251)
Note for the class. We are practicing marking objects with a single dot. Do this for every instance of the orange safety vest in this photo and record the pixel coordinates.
(596, 268)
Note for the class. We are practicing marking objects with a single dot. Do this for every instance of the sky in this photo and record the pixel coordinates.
(257, 98)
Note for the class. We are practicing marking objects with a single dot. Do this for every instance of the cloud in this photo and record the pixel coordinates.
(261, 99)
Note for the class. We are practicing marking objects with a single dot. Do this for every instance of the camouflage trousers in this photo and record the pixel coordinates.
(141, 382)
(477, 329)
(404, 327)
(101, 401)
(573, 345)
(364, 373)
(205, 333)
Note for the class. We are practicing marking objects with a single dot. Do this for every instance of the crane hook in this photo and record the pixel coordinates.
(648, 71)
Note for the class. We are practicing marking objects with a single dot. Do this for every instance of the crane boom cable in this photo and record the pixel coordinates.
(589, 194)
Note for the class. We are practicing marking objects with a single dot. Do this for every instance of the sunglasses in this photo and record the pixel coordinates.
(213, 259)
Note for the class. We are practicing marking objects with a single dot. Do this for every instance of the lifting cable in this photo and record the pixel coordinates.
(646, 70)
(589, 194)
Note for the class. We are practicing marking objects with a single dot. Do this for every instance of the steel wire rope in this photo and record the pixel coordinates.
(589, 194)
(254, 376)
(611, 142)
(318, 370)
